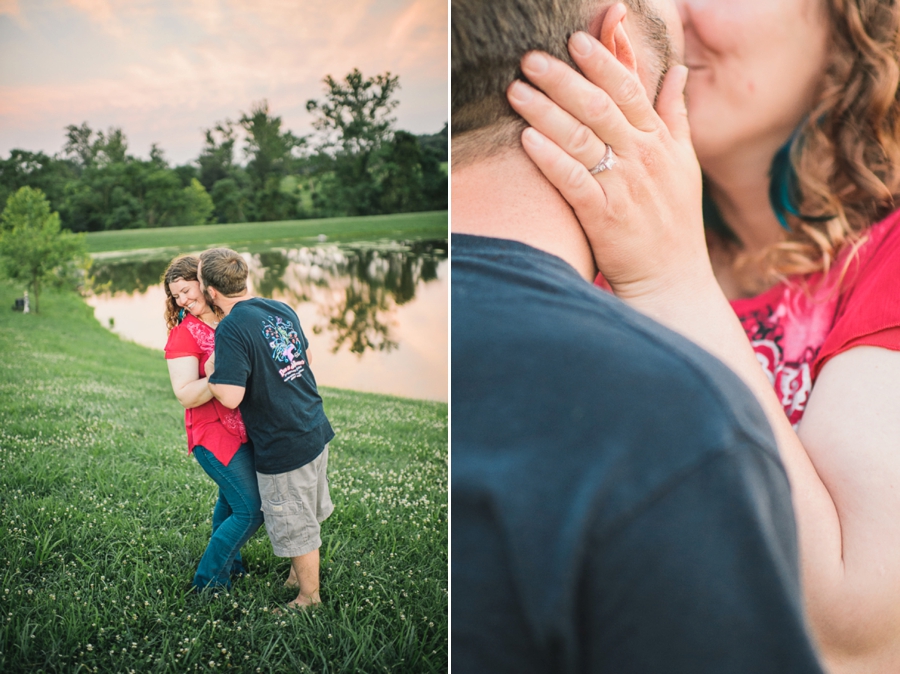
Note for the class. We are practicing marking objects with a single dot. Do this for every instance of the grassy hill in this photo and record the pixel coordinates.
(105, 517)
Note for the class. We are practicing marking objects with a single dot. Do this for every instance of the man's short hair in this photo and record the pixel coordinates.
(488, 40)
(224, 270)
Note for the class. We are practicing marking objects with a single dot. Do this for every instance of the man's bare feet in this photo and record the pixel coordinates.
(292, 581)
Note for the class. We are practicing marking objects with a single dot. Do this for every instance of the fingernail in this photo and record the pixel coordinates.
(532, 137)
(521, 92)
(536, 63)
(581, 44)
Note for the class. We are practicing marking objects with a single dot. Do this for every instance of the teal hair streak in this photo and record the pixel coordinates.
(784, 188)
(784, 194)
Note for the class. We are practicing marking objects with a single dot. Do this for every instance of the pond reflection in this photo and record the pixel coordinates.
(381, 309)
(357, 289)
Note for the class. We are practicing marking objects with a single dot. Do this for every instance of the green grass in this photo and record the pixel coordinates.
(104, 518)
(402, 226)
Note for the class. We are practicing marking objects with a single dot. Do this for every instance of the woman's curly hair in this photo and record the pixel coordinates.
(846, 156)
(182, 267)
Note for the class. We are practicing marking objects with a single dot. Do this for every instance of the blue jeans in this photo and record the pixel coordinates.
(236, 516)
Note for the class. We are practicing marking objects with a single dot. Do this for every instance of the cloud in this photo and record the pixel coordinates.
(12, 8)
(102, 13)
(182, 65)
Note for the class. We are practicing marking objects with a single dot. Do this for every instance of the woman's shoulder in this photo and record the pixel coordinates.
(877, 258)
(868, 313)
(185, 338)
(887, 227)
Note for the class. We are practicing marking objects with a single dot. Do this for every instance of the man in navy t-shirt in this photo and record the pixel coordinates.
(262, 366)
(618, 503)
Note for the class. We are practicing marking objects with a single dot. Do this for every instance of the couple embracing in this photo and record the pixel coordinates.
(233, 359)
(623, 501)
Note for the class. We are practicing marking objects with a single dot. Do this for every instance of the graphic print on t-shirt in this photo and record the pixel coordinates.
(790, 377)
(286, 347)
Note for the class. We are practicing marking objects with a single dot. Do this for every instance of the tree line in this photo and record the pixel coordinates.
(355, 163)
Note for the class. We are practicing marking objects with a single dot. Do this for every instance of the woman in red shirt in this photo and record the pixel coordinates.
(215, 434)
(794, 110)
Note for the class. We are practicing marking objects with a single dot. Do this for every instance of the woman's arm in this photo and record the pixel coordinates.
(190, 391)
(851, 431)
(644, 223)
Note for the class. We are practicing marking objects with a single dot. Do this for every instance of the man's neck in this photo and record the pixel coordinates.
(226, 304)
(506, 197)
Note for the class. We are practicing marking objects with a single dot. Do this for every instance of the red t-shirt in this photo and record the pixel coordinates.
(794, 332)
(211, 425)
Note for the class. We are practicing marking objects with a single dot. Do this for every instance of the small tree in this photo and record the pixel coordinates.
(201, 205)
(33, 250)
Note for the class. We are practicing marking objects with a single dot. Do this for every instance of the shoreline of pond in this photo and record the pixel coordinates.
(404, 226)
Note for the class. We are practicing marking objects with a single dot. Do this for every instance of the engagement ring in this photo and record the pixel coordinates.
(609, 160)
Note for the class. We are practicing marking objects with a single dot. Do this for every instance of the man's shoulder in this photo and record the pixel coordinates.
(262, 305)
(544, 336)
(256, 306)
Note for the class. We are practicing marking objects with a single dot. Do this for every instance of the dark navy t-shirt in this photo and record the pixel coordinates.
(618, 504)
(261, 346)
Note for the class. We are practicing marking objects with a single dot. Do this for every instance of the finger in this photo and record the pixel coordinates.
(604, 70)
(670, 104)
(584, 193)
(581, 99)
(556, 124)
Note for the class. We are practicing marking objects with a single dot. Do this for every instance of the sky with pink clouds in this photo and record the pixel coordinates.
(164, 70)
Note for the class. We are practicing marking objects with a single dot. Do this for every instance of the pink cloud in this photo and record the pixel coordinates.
(10, 7)
(235, 52)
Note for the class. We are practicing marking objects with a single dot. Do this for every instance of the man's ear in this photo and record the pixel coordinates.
(608, 26)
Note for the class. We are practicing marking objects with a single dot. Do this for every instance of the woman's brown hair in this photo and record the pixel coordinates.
(183, 267)
(847, 153)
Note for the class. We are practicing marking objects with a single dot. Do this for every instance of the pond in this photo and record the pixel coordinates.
(376, 313)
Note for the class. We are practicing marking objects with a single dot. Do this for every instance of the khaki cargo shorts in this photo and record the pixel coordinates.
(294, 504)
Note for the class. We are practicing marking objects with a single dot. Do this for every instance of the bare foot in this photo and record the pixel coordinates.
(292, 581)
(304, 601)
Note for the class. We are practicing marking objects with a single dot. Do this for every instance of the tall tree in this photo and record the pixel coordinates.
(216, 160)
(35, 169)
(80, 145)
(271, 153)
(354, 115)
(88, 147)
(268, 148)
(401, 175)
(111, 147)
(354, 120)
(33, 250)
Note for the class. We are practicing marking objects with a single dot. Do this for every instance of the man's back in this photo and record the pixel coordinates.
(618, 503)
(261, 346)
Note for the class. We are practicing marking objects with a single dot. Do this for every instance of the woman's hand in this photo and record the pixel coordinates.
(643, 217)
(210, 365)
